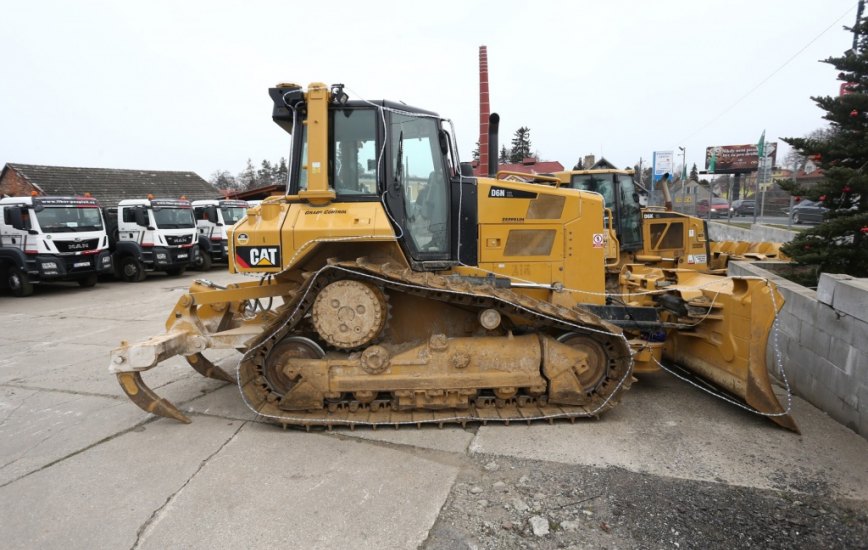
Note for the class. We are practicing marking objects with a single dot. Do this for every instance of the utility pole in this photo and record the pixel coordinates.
(712, 166)
(761, 167)
(640, 173)
(792, 202)
(683, 175)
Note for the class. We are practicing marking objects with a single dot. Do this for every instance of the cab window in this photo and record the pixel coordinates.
(601, 184)
(415, 144)
(630, 217)
(353, 161)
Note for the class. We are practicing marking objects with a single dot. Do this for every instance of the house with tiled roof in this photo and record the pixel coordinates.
(529, 165)
(107, 185)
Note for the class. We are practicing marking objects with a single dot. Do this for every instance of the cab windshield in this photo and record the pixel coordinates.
(231, 215)
(173, 218)
(598, 183)
(67, 219)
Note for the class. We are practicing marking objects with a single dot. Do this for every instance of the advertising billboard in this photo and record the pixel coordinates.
(662, 163)
(737, 159)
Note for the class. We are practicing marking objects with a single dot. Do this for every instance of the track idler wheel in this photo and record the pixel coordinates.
(291, 347)
(595, 370)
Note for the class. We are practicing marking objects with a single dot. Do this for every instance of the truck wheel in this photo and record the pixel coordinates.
(131, 270)
(18, 282)
(176, 271)
(88, 281)
(203, 261)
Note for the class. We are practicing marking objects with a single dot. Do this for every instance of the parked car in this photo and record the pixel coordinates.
(743, 207)
(808, 211)
(719, 208)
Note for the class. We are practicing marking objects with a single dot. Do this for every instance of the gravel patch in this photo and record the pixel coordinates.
(532, 504)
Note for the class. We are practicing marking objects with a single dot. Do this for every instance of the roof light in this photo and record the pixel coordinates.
(34, 193)
(150, 196)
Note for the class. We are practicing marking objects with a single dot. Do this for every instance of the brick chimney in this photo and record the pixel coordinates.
(484, 110)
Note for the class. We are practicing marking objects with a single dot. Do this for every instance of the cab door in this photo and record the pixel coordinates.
(418, 190)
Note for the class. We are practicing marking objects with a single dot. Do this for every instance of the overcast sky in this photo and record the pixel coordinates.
(173, 85)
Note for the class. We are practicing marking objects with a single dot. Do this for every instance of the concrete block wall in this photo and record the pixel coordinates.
(757, 232)
(823, 340)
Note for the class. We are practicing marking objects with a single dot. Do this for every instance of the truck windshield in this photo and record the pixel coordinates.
(232, 215)
(67, 219)
(173, 218)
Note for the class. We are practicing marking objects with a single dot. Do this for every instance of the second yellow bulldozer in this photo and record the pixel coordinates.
(391, 287)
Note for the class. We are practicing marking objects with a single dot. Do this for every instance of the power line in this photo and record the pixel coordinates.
(766, 79)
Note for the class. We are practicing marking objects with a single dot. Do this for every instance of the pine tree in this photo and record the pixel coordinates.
(475, 153)
(504, 156)
(840, 244)
(265, 174)
(694, 173)
(280, 174)
(520, 145)
(580, 165)
(247, 178)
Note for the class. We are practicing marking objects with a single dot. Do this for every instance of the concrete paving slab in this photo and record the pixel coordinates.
(92, 376)
(184, 390)
(665, 427)
(41, 427)
(62, 327)
(450, 439)
(85, 369)
(225, 402)
(38, 360)
(273, 489)
(101, 497)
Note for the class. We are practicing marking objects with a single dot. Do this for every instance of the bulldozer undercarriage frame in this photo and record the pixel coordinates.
(287, 379)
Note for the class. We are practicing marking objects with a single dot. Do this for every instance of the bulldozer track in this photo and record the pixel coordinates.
(262, 399)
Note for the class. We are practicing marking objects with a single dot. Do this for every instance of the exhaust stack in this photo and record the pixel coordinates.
(667, 197)
(493, 123)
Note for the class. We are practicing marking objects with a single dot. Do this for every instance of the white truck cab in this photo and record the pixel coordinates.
(212, 219)
(152, 234)
(51, 239)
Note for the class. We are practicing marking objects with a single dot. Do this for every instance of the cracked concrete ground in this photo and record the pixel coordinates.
(82, 467)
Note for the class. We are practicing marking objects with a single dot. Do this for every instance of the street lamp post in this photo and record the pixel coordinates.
(683, 174)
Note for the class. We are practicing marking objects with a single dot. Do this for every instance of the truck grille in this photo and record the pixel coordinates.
(76, 246)
(177, 240)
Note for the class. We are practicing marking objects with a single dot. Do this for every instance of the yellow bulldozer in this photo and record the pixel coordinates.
(391, 287)
(655, 235)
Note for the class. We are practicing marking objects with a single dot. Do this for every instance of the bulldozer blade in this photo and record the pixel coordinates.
(208, 369)
(728, 348)
(761, 397)
(143, 396)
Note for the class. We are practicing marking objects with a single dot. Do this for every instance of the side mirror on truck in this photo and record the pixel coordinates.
(15, 218)
(141, 216)
(211, 211)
